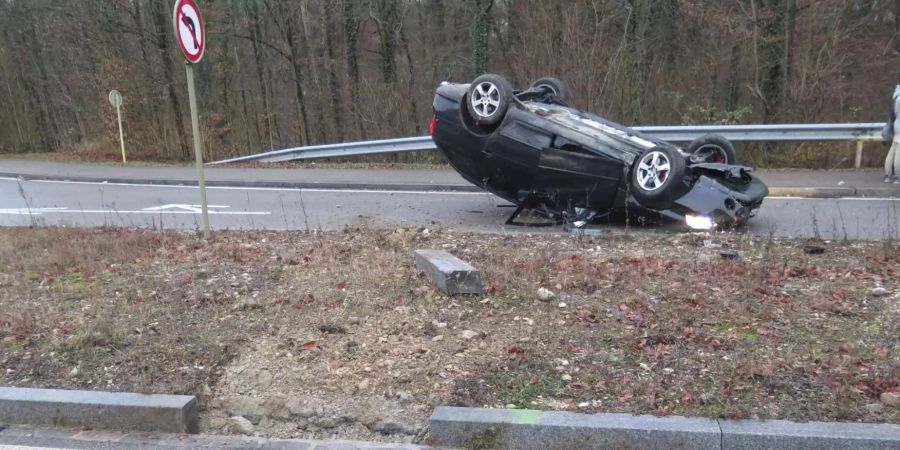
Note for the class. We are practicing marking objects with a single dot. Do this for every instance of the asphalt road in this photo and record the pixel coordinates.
(24, 203)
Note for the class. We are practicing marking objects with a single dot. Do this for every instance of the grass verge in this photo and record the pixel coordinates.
(644, 324)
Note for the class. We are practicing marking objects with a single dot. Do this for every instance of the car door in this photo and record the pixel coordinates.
(518, 142)
(577, 174)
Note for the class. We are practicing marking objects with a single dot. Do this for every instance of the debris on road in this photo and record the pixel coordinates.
(714, 243)
(545, 295)
(813, 249)
(451, 274)
(241, 425)
(468, 334)
(729, 254)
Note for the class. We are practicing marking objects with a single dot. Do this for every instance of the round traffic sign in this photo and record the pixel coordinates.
(189, 29)
(115, 98)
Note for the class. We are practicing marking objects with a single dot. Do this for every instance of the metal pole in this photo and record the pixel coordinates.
(198, 149)
(121, 137)
(859, 148)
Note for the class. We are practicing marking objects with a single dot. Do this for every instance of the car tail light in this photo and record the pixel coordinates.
(432, 125)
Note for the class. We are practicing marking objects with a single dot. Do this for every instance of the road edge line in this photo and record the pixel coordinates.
(249, 184)
(805, 192)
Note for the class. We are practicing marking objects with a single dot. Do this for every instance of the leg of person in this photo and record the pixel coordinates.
(890, 172)
(897, 164)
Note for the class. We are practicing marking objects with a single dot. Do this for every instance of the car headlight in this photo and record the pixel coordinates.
(699, 222)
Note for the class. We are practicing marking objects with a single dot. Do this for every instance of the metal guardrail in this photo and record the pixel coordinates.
(400, 145)
(765, 133)
(858, 132)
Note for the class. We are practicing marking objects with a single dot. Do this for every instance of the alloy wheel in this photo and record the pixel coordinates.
(653, 170)
(485, 99)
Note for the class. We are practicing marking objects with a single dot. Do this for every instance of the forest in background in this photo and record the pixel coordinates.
(279, 73)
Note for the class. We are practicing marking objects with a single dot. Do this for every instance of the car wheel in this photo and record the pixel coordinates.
(553, 85)
(712, 148)
(488, 99)
(658, 177)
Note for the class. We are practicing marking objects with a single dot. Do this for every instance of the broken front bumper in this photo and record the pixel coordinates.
(715, 202)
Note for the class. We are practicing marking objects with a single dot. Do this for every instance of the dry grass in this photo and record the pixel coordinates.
(653, 324)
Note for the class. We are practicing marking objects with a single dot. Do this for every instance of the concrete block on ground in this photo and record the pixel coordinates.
(547, 430)
(99, 410)
(782, 434)
(451, 274)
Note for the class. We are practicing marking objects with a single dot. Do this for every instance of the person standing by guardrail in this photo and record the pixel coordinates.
(891, 133)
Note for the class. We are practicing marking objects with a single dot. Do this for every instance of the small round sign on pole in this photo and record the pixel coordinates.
(192, 40)
(115, 99)
(189, 30)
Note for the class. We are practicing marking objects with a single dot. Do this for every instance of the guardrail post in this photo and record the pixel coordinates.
(859, 148)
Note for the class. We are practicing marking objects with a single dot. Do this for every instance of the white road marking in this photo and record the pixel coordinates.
(40, 211)
(241, 188)
(28, 211)
(22, 447)
(382, 191)
(861, 199)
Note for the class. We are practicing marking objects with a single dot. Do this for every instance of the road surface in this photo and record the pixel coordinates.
(25, 203)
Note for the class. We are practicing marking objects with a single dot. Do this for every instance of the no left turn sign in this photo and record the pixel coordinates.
(189, 29)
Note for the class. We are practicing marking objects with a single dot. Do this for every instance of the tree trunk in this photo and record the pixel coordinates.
(635, 64)
(350, 19)
(480, 34)
(163, 30)
(411, 88)
(337, 110)
(256, 37)
(387, 21)
(772, 57)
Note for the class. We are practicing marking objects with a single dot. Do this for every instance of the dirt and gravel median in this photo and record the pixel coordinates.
(338, 335)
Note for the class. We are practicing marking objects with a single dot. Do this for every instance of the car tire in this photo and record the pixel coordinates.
(488, 98)
(659, 177)
(712, 148)
(559, 89)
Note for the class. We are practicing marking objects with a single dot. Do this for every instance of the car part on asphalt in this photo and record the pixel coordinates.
(729, 254)
(573, 167)
(812, 249)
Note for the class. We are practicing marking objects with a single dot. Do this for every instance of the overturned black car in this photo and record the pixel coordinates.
(532, 149)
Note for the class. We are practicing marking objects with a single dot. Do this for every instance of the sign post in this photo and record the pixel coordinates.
(115, 99)
(192, 39)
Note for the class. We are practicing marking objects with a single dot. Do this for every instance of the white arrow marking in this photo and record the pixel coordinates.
(192, 208)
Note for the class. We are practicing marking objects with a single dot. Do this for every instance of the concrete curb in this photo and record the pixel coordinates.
(546, 430)
(253, 184)
(807, 192)
(31, 437)
(99, 410)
